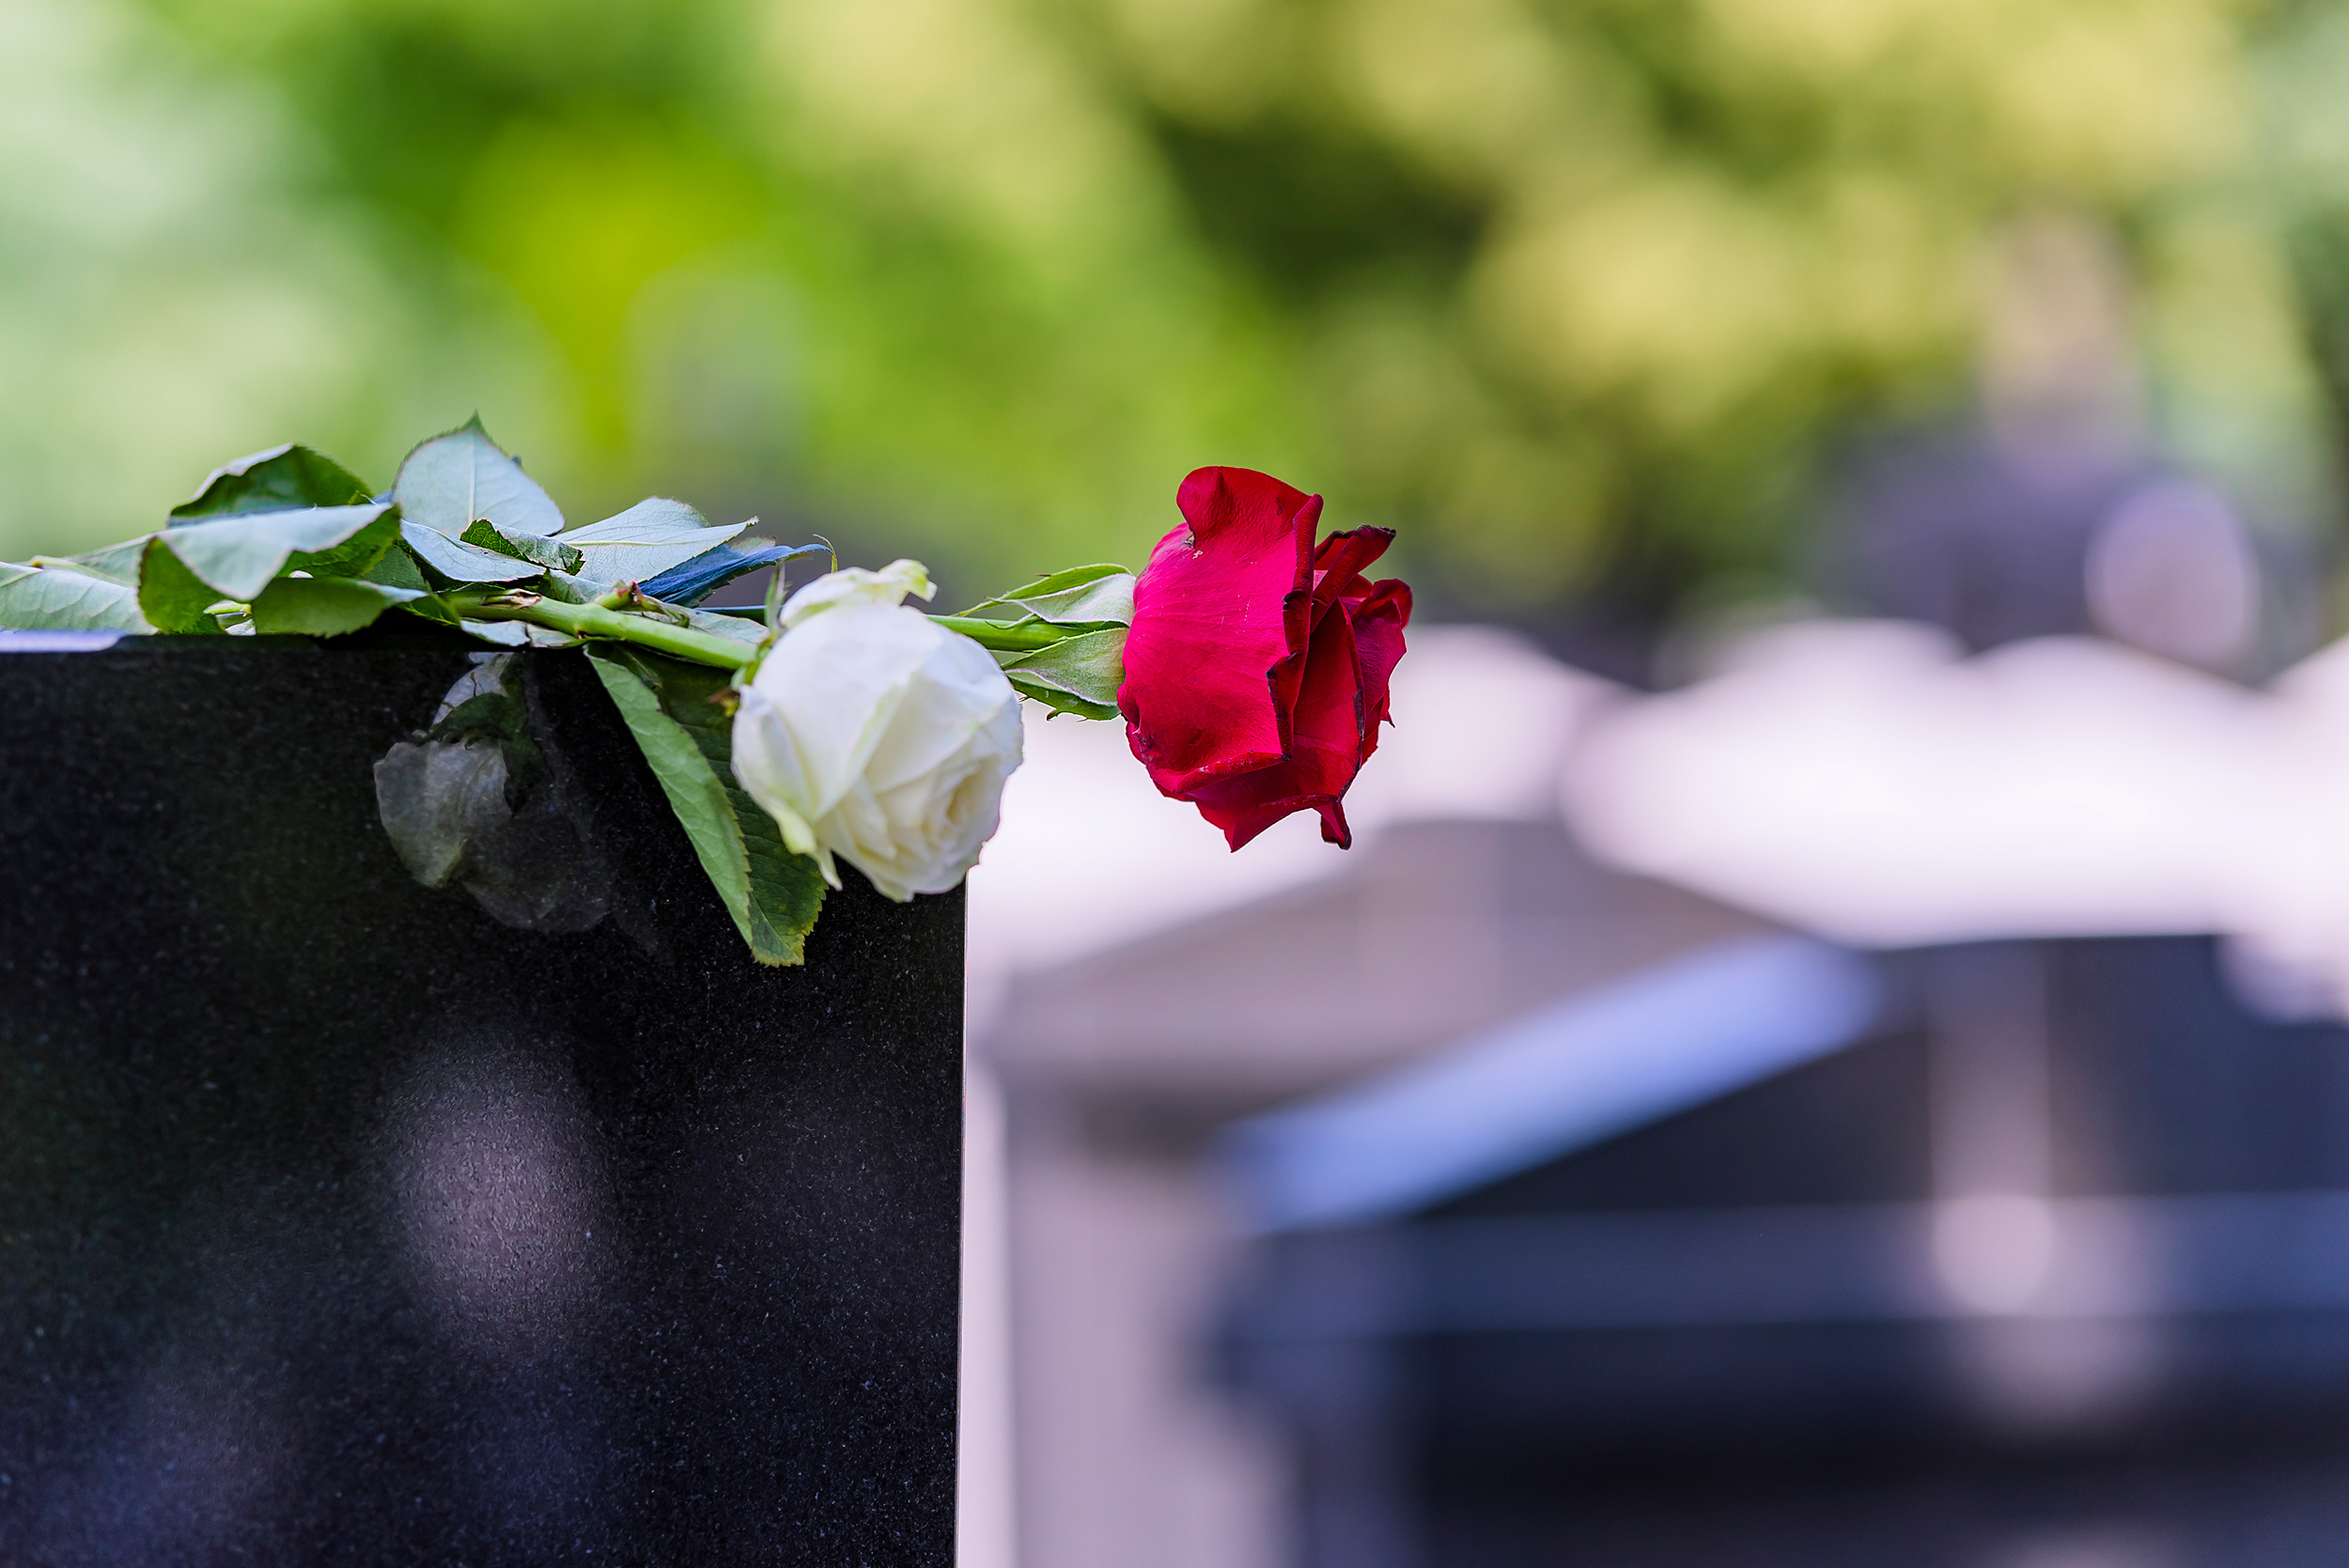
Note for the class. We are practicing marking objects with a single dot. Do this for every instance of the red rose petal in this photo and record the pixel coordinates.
(1378, 618)
(1257, 665)
(1338, 563)
(1325, 751)
(1223, 615)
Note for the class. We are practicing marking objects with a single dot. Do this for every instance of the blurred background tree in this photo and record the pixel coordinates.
(1579, 293)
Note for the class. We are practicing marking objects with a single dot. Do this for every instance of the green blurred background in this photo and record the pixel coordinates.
(1580, 294)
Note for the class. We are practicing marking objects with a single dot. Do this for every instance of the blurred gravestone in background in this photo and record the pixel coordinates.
(2053, 511)
(2035, 1258)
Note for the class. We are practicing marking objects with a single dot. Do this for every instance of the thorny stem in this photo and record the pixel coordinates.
(629, 596)
(595, 620)
(651, 628)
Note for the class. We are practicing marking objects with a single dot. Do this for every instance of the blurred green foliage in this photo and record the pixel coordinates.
(1570, 291)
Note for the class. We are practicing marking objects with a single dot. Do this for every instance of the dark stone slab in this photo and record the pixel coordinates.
(340, 1222)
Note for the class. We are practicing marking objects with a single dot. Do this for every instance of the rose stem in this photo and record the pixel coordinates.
(702, 647)
(593, 620)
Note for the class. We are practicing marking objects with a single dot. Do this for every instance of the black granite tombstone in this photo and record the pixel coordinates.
(344, 1221)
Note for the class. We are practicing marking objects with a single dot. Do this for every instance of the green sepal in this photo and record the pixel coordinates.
(1076, 674)
(550, 554)
(1091, 597)
(1063, 702)
(325, 606)
(283, 478)
(773, 895)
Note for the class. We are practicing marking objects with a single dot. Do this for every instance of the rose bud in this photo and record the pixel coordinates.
(1256, 669)
(874, 733)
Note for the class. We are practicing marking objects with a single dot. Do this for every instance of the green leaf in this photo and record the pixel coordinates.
(1093, 596)
(697, 578)
(117, 562)
(460, 562)
(398, 569)
(743, 628)
(563, 586)
(64, 596)
(284, 478)
(324, 606)
(1077, 675)
(646, 540)
(451, 480)
(692, 785)
(773, 895)
(549, 553)
(356, 555)
(239, 553)
(171, 597)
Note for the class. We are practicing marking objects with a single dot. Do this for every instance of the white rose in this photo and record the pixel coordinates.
(872, 733)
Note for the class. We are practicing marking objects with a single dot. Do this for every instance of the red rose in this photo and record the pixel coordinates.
(1256, 669)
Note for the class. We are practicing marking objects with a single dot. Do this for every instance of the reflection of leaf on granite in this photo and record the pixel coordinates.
(435, 798)
(477, 800)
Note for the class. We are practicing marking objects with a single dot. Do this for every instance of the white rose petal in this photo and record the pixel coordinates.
(855, 585)
(876, 735)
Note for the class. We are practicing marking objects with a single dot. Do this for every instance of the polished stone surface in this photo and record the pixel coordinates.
(340, 1222)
